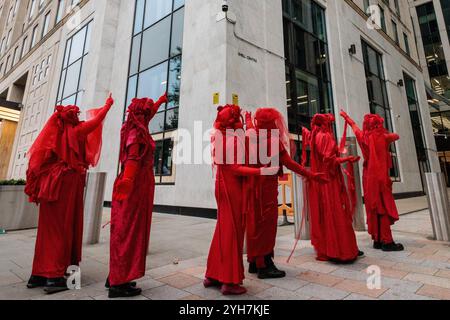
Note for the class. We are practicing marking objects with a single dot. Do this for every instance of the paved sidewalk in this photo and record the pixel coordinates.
(177, 261)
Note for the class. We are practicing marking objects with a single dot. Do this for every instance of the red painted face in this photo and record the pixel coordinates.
(69, 114)
(229, 117)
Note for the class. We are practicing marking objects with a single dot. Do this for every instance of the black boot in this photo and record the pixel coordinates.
(36, 282)
(377, 245)
(108, 285)
(392, 247)
(252, 268)
(123, 291)
(55, 285)
(270, 271)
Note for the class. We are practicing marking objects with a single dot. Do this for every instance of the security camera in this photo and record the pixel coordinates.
(225, 6)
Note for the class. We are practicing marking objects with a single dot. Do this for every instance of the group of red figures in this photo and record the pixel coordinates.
(246, 193)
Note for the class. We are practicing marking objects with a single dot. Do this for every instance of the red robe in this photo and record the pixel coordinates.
(332, 233)
(380, 204)
(56, 178)
(262, 209)
(131, 218)
(225, 259)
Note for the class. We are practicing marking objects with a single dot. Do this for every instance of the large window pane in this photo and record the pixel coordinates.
(155, 44)
(135, 50)
(73, 75)
(77, 48)
(173, 90)
(153, 82)
(132, 87)
(177, 33)
(139, 16)
(177, 4)
(156, 10)
(155, 68)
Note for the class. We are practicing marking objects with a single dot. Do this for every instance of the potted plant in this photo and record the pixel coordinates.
(16, 212)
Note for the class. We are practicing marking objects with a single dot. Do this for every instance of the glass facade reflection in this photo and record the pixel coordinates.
(308, 77)
(434, 51)
(155, 68)
(71, 84)
(378, 98)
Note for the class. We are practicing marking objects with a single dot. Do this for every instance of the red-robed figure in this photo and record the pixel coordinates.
(332, 233)
(56, 177)
(225, 266)
(268, 138)
(133, 196)
(374, 141)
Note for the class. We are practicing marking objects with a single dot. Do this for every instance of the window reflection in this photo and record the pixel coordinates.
(155, 68)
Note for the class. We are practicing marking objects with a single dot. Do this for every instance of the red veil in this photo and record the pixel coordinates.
(271, 118)
(61, 142)
(378, 181)
(135, 129)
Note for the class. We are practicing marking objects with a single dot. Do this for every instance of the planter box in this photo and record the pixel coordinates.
(16, 213)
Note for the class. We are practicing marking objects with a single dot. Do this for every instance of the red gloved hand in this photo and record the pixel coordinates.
(110, 100)
(123, 189)
(344, 115)
(125, 185)
(164, 98)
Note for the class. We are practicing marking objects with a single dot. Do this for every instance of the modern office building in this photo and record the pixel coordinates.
(432, 22)
(301, 56)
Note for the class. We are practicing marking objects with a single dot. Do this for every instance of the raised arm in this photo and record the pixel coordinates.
(392, 137)
(90, 125)
(248, 121)
(156, 105)
(357, 130)
(288, 162)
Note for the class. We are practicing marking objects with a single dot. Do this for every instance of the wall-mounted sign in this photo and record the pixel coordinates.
(235, 99)
(242, 55)
(216, 98)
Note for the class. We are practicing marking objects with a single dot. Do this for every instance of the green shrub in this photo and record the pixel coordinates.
(12, 182)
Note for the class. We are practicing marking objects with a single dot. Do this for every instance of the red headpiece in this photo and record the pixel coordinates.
(372, 122)
(228, 117)
(271, 118)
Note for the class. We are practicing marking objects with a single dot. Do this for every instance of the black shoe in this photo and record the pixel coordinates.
(360, 253)
(252, 268)
(377, 245)
(36, 282)
(123, 291)
(108, 285)
(342, 262)
(392, 247)
(55, 285)
(271, 272)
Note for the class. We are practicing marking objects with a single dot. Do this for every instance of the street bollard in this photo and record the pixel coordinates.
(359, 221)
(301, 214)
(93, 206)
(439, 207)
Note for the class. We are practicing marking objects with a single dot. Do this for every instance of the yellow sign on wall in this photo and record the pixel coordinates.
(216, 98)
(235, 99)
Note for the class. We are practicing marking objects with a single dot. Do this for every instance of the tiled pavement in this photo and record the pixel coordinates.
(176, 265)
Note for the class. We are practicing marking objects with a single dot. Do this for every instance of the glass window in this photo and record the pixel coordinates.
(378, 99)
(308, 81)
(155, 44)
(156, 10)
(73, 74)
(155, 68)
(434, 52)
